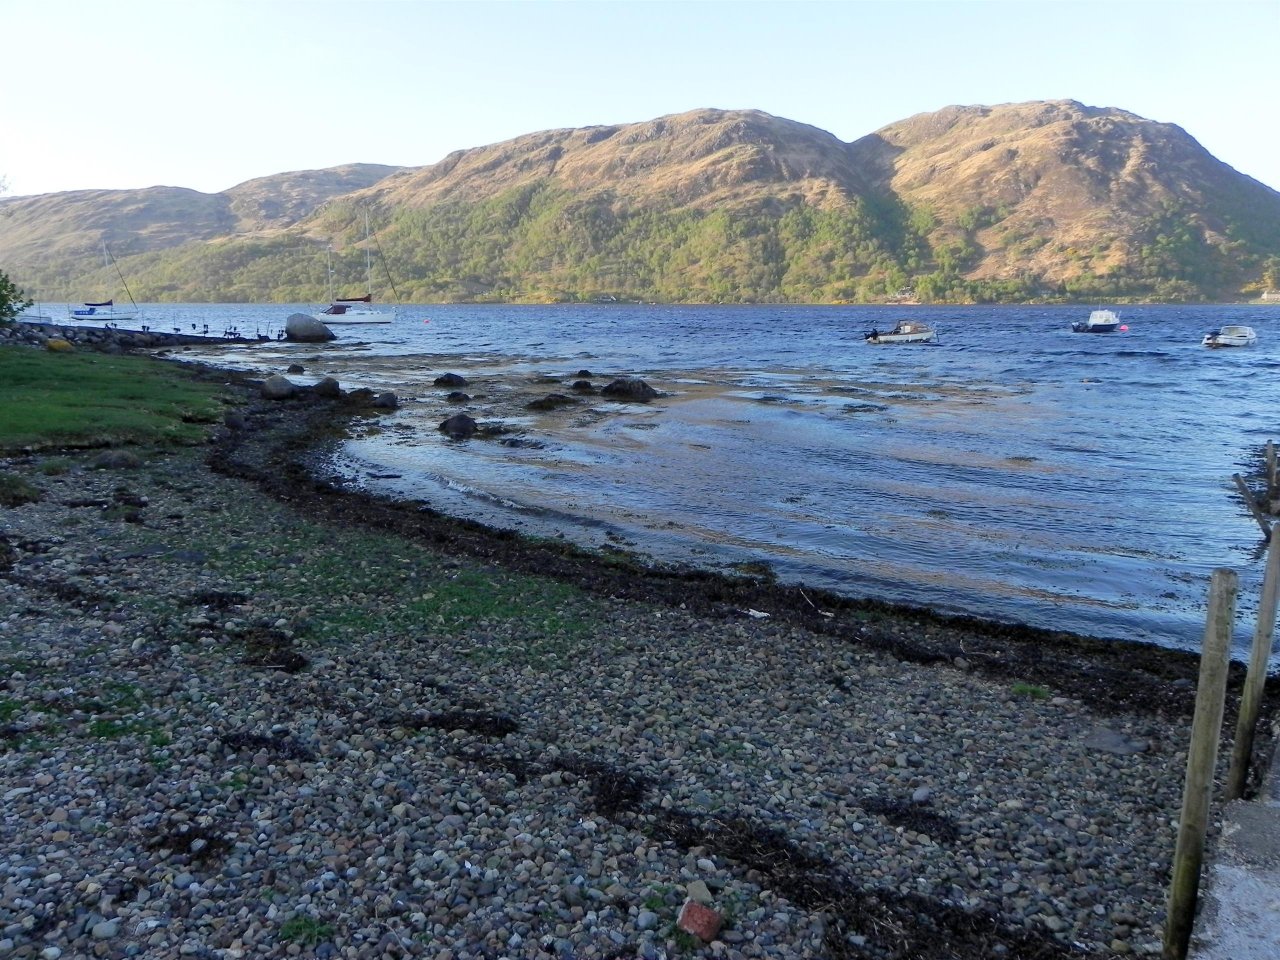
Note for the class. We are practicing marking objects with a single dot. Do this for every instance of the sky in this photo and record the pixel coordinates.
(206, 94)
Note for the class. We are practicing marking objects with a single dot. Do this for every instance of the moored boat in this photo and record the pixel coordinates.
(1230, 335)
(354, 310)
(1100, 321)
(907, 331)
(104, 312)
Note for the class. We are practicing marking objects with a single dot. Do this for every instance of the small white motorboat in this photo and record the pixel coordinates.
(907, 331)
(1100, 321)
(1230, 335)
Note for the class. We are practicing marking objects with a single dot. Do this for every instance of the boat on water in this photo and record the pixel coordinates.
(907, 331)
(105, 311)
(354, 310)
(1100, 321)
(1230, 335)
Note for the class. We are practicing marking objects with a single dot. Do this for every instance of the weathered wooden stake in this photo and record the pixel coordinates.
(1256, 678)
(1252, 504)
(1273, 487)
(1202, 756)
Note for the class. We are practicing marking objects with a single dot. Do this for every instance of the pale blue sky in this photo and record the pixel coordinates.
(209, 93)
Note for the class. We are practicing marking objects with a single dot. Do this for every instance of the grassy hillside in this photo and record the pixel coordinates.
(1038, 201)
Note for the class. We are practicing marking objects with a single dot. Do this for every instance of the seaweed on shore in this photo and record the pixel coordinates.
(1109, 675)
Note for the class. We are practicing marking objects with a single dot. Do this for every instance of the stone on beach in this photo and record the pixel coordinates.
(301, 328)
(631, 389)
(327, 387)
(277, 387)
(459, 427)
(700, 920)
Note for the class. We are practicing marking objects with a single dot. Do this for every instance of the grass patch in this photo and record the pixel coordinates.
(81, 400)
(305, 931)
(1034, 691)
(15, 491)
(366, 583)
(55, 467)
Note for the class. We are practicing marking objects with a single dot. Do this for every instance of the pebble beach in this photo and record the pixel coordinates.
(232, 727)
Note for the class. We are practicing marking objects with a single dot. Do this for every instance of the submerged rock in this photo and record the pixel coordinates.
(459, 427)
(552, 401)
(630, 389)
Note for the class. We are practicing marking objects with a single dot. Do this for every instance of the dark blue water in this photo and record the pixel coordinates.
(1015, 470)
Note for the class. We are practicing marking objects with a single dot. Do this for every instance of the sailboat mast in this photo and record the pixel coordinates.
(111, 261)
(368, 258)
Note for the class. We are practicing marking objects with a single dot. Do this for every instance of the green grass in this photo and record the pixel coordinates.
(15, 491)
(55, 467)
(307, 931)
(1034, 691)
(367, 583)
(80, 400)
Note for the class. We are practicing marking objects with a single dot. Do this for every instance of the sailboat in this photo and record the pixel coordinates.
(353, 310)
(106, 311)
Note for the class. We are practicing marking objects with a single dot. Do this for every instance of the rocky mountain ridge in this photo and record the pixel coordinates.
(1041, 200)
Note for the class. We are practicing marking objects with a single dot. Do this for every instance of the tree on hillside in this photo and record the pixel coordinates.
(12, 302)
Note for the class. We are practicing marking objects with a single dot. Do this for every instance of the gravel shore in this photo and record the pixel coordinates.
(245, 714)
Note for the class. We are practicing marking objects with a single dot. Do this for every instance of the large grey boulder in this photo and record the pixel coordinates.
(278, 388)
(304, 329)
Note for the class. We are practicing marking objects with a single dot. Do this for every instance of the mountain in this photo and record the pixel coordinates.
(70, 227)
(1044, 200)
(1063, 191)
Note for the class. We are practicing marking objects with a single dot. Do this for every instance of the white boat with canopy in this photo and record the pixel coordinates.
(1230, 335)
(907, 331)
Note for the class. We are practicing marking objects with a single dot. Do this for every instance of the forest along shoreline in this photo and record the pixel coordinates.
(244, 706)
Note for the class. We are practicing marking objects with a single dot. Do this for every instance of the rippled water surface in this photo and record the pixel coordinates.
(1014, 470)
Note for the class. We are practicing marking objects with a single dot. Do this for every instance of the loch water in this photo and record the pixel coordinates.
(1014, 470)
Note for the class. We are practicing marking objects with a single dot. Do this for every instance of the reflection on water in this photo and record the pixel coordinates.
(1015, 470)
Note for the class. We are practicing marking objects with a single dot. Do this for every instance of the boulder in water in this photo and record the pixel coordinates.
(304, 329)
(630, 389)
(459, 427)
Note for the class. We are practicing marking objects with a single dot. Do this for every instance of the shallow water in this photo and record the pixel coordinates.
(1014, 470)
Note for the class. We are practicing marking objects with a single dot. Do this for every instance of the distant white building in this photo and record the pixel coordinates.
(1270, 296)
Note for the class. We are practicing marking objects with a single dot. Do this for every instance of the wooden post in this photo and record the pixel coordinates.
(1252, 504)
(1256, 678)
(1273, 487)
(1202, 756)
